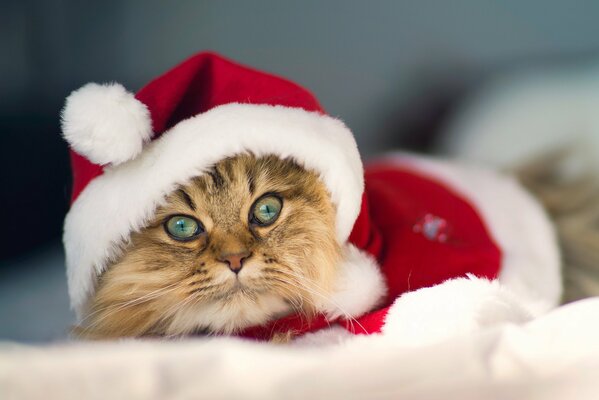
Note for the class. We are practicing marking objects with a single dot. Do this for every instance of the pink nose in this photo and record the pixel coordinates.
(234, 260)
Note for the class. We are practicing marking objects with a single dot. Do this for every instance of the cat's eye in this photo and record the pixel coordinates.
(182, 227)
(266, 210)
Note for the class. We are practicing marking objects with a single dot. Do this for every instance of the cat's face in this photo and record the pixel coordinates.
(250, 241)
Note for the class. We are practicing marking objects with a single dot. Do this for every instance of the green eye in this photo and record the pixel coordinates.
(182, 228)
(266, 210)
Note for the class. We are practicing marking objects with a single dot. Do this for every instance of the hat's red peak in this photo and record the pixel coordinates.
(207, 80)
(198, 84)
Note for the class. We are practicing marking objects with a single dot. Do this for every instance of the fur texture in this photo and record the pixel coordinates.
(553, 357)
(106, 123)
(571, 198)
(359, 286)
(125, 197)
(162, 286)
(457, 307)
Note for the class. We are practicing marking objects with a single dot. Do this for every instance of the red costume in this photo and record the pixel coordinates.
(408, 223)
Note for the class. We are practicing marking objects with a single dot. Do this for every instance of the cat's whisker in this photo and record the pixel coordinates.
(295, 300)
(114, 308)
(279, 281)
(297, 307)
(193, 297)
(320, 291)
(172, 310)
(297, 285)
(302, 281)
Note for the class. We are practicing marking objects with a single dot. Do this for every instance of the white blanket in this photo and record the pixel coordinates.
(553, 357)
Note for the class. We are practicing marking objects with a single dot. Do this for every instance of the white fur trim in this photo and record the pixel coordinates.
(456, 307)
(106, 123)
(530, 253)
(359, 288)
(333, 335)
(553, 357)
(125, 197)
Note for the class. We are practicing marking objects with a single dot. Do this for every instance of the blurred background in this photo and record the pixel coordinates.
(401, 74)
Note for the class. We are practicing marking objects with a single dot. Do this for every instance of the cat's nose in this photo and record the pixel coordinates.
(234, 260)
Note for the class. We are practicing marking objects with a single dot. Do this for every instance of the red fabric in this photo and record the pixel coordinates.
(367, 324)
(365, 235)
(396, 207)
(400, 198)
(294, 323)
(83, 173)
(200, 83)
(396, 201)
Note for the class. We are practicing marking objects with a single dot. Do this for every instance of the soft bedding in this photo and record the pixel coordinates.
(555, 356)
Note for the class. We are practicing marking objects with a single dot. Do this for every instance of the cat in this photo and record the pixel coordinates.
(251, 240)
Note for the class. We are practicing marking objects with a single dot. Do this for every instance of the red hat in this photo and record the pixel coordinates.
(130, 151)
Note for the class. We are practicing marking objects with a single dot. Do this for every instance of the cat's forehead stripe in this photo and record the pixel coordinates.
(188, 199)
(251, 181)
(217, 178)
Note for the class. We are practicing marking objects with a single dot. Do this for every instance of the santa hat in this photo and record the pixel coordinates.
(129, 151)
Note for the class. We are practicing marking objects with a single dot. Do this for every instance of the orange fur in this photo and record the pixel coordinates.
(163, 287)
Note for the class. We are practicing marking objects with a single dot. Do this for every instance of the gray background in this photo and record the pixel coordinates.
(393, 70)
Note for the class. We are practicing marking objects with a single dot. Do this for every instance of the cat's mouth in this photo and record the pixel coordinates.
(238, 288)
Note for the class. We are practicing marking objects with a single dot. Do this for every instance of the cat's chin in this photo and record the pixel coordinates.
(240, 308)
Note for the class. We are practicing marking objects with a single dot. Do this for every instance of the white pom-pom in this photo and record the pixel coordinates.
(106, 123)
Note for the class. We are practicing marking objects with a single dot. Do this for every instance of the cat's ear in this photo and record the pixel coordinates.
(106, 123)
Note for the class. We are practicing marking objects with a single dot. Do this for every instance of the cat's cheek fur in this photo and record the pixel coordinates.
(227, 316)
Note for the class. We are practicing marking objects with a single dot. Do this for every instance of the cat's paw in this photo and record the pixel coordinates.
(455, 307)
